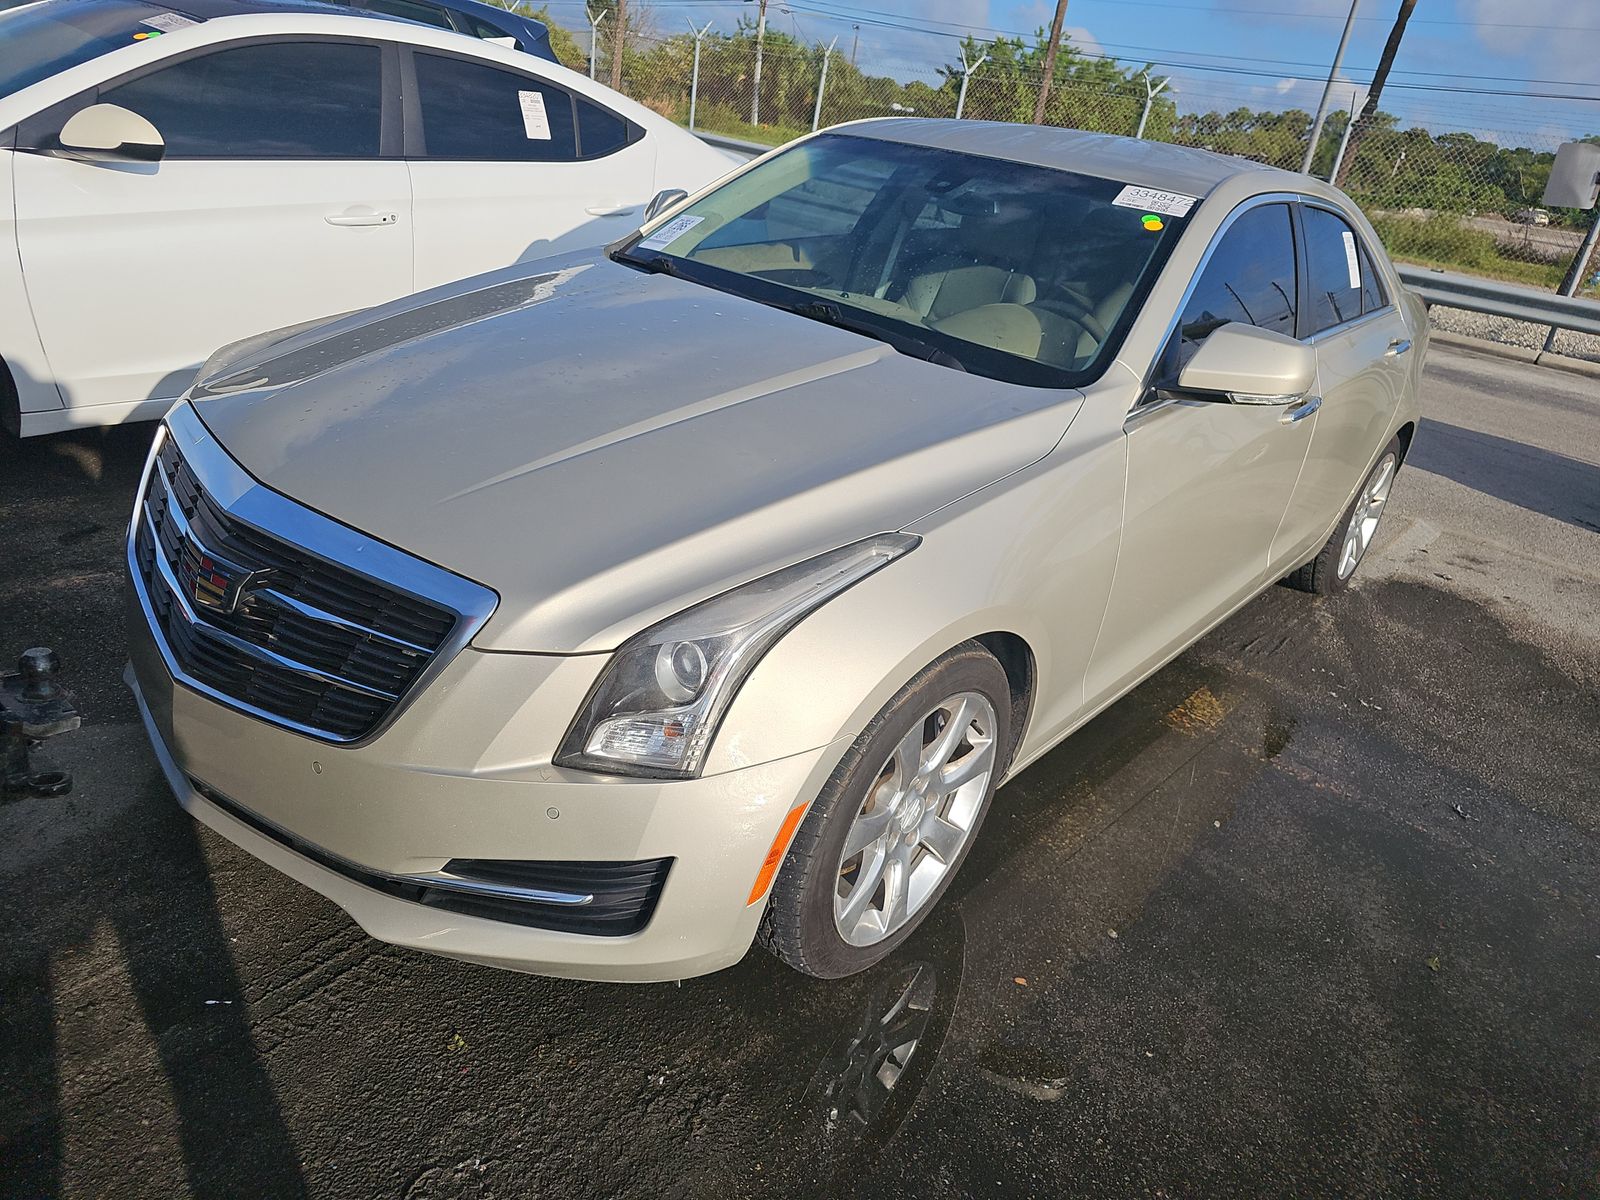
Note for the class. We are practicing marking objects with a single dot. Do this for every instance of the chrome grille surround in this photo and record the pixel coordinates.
(251, 601)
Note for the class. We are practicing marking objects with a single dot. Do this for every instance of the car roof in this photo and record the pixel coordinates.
(1107, 156)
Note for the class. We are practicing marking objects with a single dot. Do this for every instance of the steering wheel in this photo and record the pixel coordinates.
(1076, 310)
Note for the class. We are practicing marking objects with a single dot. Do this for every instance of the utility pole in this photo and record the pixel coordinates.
(617, 44)
(1369, 110)
(1150, 94)
(1327, 91)
(1050, 62)
(755, 91)
(855, 43)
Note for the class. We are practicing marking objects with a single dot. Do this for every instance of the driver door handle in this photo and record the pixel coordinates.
(1301, 409)
(367, 218)
(1397, 347)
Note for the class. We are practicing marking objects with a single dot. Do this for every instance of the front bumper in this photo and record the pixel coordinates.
(465, 773)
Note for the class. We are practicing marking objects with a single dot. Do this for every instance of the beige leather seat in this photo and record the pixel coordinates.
(983, 267)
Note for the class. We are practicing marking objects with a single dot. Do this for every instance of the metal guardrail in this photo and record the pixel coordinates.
(1498, 299)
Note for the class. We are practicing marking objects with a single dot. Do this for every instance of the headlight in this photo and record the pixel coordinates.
(657, 706)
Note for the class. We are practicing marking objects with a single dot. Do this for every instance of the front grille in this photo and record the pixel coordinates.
(622, 896)
(269, 626)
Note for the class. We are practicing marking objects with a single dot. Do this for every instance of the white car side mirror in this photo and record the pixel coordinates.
(661, 201)
(1251, 366)
(109, 132)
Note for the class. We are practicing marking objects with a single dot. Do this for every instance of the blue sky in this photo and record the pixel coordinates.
(1258, 53)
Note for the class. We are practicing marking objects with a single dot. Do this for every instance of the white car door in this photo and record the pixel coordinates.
(507, 167)
(274, 204)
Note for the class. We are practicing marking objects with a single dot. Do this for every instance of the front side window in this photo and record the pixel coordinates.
(1343, 285)
(1250, 278)
(470, 111)
(1023, 273)
(272, 100)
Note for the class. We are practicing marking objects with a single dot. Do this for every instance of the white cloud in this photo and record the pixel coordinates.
(1559, 37)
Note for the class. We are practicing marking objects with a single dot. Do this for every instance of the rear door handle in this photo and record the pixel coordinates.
(368, 218)
(617, 210)
(1397, 347)
(1301, 409)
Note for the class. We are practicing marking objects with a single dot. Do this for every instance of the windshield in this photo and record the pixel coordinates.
(40, 40)
(1023, 273)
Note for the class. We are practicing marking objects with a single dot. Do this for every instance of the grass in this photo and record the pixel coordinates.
(1441, 241)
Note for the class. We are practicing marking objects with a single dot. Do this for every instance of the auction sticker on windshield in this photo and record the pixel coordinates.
(1172, 204)
(670, 232)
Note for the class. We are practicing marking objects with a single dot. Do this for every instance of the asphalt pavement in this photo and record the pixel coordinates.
(1313, 912)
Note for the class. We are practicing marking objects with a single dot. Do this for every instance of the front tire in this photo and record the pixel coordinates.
(895, 821)
(1335, 564)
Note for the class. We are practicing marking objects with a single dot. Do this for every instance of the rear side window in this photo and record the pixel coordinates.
(1373, 297)
(1342, 284)
(274, 100)
(470, 111)
(600, 131)
(1250, 278)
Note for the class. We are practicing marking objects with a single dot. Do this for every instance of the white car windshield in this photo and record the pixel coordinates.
(41, 40)
(1019, 272)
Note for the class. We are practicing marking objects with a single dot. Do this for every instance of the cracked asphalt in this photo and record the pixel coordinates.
(1313, 912)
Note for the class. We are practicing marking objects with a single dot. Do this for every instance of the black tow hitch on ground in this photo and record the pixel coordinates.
(33, 708)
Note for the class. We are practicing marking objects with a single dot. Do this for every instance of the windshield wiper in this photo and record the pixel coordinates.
(658, 264)
(905, 343)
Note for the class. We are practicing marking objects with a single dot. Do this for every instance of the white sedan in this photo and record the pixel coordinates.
(171, 181)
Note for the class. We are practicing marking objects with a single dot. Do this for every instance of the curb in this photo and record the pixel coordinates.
(1522, 354)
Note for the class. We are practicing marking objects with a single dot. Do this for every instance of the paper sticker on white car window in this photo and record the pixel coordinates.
(168, 22)
(1351, 262)
(535, 121)
(669, 233)
(1172, 204)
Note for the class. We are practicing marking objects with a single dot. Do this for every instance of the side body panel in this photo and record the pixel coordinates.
(20, 348)
(473, 217)
(137, 272)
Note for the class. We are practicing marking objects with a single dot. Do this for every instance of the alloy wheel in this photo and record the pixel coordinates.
(915, 820)
(1364, 520)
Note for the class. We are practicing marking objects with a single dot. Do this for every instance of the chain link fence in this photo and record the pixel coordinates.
(1463, 200)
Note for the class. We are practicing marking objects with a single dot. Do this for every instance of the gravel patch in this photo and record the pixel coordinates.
(1513, 333)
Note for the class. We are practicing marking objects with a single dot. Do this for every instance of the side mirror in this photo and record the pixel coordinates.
(110, 133)
(1248, 365)
(661, 201)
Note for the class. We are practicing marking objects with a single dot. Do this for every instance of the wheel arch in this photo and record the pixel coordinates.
(10, 401)
(1405, 433)
(1016, 659)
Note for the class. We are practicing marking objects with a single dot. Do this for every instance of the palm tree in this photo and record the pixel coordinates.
(1369, 110)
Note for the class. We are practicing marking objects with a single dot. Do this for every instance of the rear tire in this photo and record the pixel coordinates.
(1335, 564)
(909, 797)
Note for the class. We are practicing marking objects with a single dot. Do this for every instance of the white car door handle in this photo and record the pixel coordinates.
(369, 218)
(1398, 346)
(618, 210)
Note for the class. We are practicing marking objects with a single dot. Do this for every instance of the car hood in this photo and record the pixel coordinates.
(603, 447)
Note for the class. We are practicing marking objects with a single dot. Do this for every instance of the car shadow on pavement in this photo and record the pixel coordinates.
(1540, 481)
(67, 1037)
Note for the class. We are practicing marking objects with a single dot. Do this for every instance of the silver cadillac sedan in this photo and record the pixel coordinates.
(603, 615)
